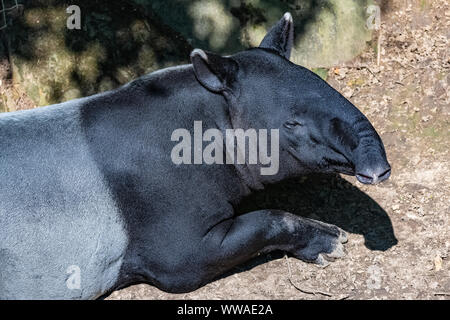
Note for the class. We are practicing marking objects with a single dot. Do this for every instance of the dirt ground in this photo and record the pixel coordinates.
(399, 231)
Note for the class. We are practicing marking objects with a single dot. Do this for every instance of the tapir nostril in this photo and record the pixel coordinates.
(364, 178)
(372, 176)
(384, 175)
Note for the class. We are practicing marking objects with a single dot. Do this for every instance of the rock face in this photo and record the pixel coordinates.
(116, 43)
(333, 34)
(327, 31)
(121, 40)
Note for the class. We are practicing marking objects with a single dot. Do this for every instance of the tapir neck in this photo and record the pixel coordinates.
(204, 109)
(146, 112)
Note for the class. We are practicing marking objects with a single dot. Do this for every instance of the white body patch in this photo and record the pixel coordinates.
(62, 235)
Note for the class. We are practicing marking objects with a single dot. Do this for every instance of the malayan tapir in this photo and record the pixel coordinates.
(92, 201)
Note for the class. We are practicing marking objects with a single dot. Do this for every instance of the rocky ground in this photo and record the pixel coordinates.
(399, 231)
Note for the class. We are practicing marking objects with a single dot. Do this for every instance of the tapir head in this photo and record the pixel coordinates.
(319, 129)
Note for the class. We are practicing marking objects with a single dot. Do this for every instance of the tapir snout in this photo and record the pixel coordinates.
(374, 175)
(372, 166)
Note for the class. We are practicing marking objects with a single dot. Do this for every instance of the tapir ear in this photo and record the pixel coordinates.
(214, 72)
(281, 37)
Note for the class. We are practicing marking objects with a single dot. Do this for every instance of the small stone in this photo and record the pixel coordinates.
(348, 92)
(401, 38)
(429, 91)
(438, 263)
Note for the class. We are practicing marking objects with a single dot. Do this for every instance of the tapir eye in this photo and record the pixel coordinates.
(292, 124)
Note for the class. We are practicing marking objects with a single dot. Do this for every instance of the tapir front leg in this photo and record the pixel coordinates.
(238, 239)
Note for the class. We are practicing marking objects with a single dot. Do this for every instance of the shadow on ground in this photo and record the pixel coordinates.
(327, 198)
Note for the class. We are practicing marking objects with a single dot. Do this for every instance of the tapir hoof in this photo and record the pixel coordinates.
(326, 246)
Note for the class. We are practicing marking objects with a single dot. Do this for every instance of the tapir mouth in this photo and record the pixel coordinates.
(379, 171)
(365, 175)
